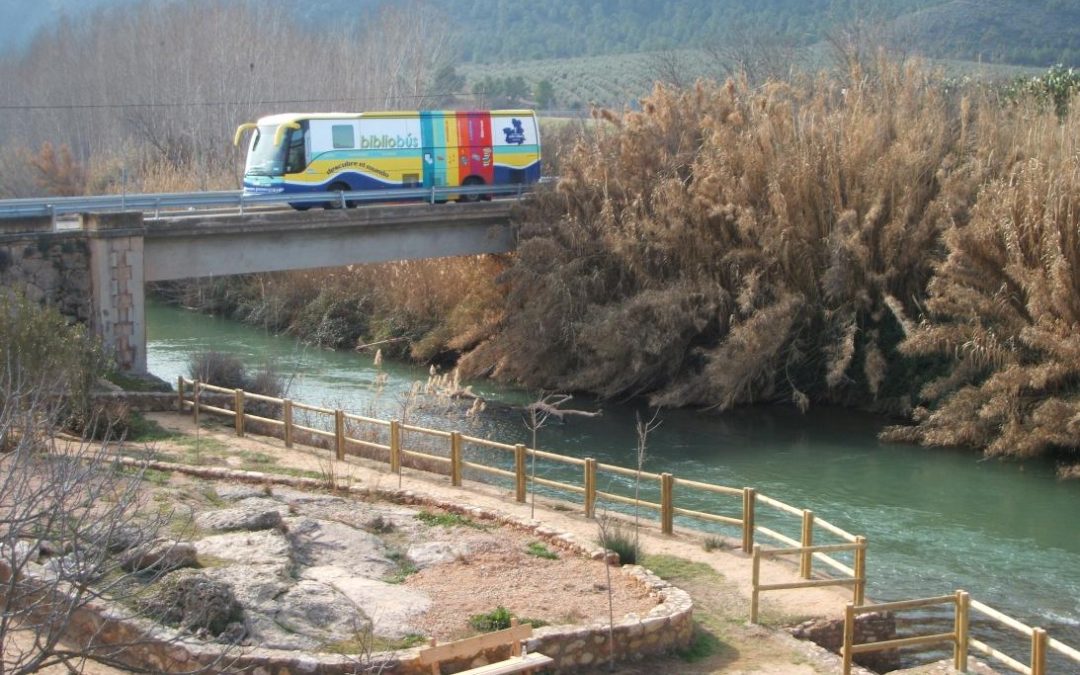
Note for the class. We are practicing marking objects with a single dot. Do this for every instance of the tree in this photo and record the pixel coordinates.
(447, 84)
(544, 94)
(76, 527)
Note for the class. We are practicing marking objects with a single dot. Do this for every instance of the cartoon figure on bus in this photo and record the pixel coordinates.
(515, 133)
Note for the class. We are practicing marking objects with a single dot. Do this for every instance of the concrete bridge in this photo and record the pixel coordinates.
(95, 269)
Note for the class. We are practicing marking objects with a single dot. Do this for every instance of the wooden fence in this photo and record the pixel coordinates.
(959, 637)
(395, 443)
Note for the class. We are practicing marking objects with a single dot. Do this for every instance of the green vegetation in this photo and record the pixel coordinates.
(447, 520)
(499, 619)
(622, 541)
(538, 549)
(366, 643)
(404, 568)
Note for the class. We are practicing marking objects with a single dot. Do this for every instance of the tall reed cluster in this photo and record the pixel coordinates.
(875, 239)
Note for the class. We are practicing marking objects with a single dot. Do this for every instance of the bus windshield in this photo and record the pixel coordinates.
(264, 158)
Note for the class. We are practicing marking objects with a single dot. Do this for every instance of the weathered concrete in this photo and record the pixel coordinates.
(96, 271)
(197, 246)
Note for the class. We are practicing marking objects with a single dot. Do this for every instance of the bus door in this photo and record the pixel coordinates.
(476, 157)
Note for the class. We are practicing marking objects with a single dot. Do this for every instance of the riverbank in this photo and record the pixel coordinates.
(721, 578)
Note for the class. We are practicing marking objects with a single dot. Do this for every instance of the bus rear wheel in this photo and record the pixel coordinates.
(473, 181)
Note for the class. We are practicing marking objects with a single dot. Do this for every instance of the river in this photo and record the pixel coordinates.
(936, 520)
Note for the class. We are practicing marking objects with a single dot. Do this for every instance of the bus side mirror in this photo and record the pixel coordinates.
(240, 132)
(280, 134)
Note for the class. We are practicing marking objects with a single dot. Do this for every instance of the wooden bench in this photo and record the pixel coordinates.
(470, 647)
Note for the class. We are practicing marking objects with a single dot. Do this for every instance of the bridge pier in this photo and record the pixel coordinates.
(117, 277)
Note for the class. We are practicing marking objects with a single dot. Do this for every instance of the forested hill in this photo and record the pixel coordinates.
(1026, 32)
(511, 30)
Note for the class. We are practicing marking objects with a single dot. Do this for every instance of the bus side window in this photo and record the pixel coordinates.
(295, 159)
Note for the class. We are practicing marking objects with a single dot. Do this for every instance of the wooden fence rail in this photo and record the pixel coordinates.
(336, 427)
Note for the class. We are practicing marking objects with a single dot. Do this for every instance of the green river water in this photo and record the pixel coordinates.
(936, 520)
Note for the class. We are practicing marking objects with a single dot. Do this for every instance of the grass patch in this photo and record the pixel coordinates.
(703, 645)
(200, 444)
(539, 550)
(144, 430)
(447, 520)
(256, 458)
(129, 382)
(405, 568)
(673, 568)
(499, 619)
(368, 644)
(714, 543)
(622, 541)
(157, 477)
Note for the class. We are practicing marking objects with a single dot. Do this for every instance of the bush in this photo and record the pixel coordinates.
(228, 370)
(622, 542)
(42, 355)
(190, 600)
(497, 619)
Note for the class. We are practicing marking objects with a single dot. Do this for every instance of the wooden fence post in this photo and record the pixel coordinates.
(339, 434)
(395, 446)
(590, 488)
(238, 407)
(749, 497)
(849, 636)
(180, 394)
(755, 578)
(455, 458)
(860, 571)
(519, 473)
(806, 561)
(960, 650)
(286, 414)
(1038, 651)
(195, 407)
(667, 503)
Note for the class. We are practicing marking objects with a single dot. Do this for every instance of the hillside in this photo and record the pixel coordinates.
(996, 31)
(1037, 32)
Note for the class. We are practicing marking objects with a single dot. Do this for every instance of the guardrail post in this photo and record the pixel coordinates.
(755, 579)
(455, 458)
(849, 636)
(860, 571)
(667, 503)
(395, 446)
(180, 394)
(287, 417)
(749, 497)
(1038, 651)
(519, 473)
(339, 434)
(238, 407)
(590, 488)
(195, 407)
(960, 649)
(806, 561)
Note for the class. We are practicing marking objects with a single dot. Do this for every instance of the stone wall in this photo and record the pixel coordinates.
(869, 627)
(52, 268)
(667, 626)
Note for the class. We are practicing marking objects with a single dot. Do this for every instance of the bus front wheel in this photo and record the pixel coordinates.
(336, 203)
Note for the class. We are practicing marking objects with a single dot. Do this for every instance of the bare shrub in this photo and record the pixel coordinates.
(72, 516)
(731, 244)
(1004, 306)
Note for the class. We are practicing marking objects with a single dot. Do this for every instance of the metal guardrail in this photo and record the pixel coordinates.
(156, 203)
